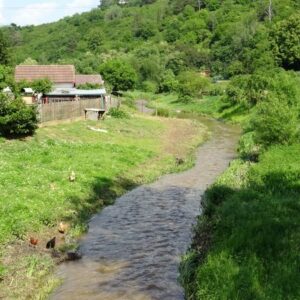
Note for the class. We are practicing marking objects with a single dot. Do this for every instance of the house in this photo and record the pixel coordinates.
(62, 76)
(65, 82)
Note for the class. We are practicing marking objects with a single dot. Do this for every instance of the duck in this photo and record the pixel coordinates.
(72, 176)
(51, 243)
(63, 227)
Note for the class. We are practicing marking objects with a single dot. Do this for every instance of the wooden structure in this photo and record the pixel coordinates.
(64, 110)
(94, 113)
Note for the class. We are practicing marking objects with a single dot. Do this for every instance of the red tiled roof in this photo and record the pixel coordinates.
(93, 79)
(56, 73)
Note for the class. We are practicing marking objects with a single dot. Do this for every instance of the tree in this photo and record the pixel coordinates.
(120, 74)
(4, 54)
(42, 85)
(286, 42)
(16, 118)
(191, 85)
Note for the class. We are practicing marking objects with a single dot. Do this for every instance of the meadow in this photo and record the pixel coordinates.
(36, 194)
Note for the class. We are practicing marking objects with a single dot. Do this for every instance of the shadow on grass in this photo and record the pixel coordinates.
(253, 229)
(104, 191)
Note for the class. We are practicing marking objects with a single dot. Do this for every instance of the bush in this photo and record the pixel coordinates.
(118, 113)
(275, 122)
(192, 84)
(250, 90)
(247, 147)
(162, 112)
(149, 86)
(16, 118)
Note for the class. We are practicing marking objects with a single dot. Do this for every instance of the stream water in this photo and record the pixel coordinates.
(133, 248)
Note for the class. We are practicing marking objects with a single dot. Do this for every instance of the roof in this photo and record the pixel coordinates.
(28, 91)
(76, 92)
(92, 79)
(55, 73)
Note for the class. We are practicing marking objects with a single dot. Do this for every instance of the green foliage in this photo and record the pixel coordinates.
(6, 77)
(42, 85)
(162, 112)
(255, 88)
(4, 52)
(253, 252)
(16, 119)
(286, 42)
(119, 74)
(192, 84)
(168, 82)
(89, 86)
(118, 113)
(275, 122)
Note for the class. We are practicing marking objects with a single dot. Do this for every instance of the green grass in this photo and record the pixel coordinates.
(212, 106)
(252, 219)
(36, 194)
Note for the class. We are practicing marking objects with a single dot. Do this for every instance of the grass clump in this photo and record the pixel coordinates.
(118, 113)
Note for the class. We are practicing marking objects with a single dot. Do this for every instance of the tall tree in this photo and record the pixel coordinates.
(4, 55)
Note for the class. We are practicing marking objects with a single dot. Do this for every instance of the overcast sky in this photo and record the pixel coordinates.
(28, 12)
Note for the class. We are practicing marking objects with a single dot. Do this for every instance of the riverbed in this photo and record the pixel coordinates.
(133, 248)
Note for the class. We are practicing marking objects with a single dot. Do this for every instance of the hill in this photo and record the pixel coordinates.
(165, 38)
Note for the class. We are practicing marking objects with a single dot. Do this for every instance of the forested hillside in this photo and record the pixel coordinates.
(162, 39)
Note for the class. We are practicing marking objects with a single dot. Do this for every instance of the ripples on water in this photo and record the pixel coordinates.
(133, 248)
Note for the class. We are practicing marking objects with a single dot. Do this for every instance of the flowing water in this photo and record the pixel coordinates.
(132, 249)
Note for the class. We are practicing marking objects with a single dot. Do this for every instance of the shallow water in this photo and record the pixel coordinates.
(132, 249)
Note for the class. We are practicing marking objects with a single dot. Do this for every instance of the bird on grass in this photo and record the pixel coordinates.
(51, 244)
(33, 241)
(63, 227)
(72, 176)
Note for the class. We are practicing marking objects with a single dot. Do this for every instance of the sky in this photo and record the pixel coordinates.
(34, 12)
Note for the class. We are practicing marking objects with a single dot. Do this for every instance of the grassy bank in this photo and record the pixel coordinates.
(36, 194)
(213, 106)
(246, 244)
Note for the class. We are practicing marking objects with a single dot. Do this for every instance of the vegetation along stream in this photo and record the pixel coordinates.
(133, 248)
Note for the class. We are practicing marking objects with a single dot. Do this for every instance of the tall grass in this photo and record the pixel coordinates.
(253, 215)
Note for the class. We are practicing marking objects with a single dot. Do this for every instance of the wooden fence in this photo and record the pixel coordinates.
(63, 110)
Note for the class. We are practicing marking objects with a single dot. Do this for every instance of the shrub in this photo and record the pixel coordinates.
(118, 113)
(250, 90)
(191, 84)
(16, 118)
(275, 122)
(149, 86)
(168, 83)
(162, 112)
(247, 147)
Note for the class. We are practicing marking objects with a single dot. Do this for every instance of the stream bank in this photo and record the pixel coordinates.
(133, 248)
